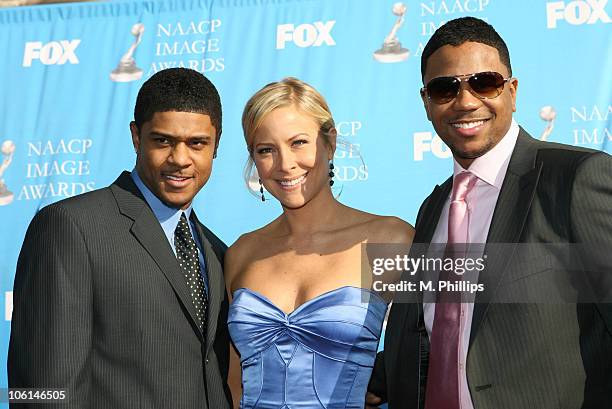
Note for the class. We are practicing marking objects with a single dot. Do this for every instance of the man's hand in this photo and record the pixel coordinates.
(372, 401)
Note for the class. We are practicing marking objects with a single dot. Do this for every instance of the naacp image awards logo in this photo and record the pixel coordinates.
(127, 70)
(391, 50)
(548, 115)
(7, 150)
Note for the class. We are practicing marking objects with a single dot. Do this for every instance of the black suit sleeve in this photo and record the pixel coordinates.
(591, 222)
(378, 382)
(51, 327)
(222, 338)
(222, 345)
(591, 208)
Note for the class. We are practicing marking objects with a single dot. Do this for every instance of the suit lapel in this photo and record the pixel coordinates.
(431, 212)
(513, 205)
(147, 230)
(426, 225)
(216, 285)
(409, 319)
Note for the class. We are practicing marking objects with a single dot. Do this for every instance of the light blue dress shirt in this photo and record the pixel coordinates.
(169, 218)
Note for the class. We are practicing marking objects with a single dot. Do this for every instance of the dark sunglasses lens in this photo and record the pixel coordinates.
(443, 89)
(487, 84)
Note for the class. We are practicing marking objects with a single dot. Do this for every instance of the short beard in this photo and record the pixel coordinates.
(472, 154)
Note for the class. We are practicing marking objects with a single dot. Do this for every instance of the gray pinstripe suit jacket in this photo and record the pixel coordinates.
(102, 309)
(521, 356)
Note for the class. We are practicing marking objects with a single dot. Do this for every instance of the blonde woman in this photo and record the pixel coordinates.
(304, 322)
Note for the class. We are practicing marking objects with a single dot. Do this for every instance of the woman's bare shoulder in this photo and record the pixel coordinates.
(246, 249)
(391, 229)
(386, 229)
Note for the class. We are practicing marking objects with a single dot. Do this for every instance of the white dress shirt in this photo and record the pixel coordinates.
(490, 169)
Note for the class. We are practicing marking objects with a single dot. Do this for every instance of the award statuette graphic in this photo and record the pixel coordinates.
(127, 70)
(548, 114)
(7, 150)
(391, 50)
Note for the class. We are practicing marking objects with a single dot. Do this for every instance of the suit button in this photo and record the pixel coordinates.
(206, 360)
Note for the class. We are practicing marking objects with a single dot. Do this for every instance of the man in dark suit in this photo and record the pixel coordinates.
(119, 293)
(507, 189)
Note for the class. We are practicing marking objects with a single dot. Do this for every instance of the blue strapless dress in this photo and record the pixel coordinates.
(319, 356)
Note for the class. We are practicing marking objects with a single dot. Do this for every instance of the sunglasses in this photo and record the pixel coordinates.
(483, 85)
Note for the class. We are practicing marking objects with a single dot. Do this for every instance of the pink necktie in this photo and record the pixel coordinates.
(443, 374)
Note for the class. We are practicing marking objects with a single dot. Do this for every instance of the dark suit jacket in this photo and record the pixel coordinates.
(548, 355)
(102, 309)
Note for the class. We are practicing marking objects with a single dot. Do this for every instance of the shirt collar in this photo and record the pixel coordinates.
(162, 211)
(491, 167)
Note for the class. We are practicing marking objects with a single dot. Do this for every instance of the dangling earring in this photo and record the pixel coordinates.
(263, 198)
(331, 173)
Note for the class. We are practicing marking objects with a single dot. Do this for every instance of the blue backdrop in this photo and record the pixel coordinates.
(70, 74)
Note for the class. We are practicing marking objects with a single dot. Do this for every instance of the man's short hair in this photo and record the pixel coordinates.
(178, 90)
(461, 30)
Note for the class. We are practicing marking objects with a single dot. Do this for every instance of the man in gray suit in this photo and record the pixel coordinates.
(511, 193)
(119, 294)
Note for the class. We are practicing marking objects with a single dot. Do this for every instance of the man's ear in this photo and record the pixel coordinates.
(425, 102)
(513, 87)
(217, 139)
(135, 136)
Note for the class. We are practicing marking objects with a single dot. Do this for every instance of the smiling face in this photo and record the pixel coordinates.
(470, 126)
(292, 159)
(174, 155)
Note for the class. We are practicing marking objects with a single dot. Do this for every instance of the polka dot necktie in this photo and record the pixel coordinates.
(187, 255)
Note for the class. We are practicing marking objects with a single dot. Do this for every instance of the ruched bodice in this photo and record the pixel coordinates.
(319, 356)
